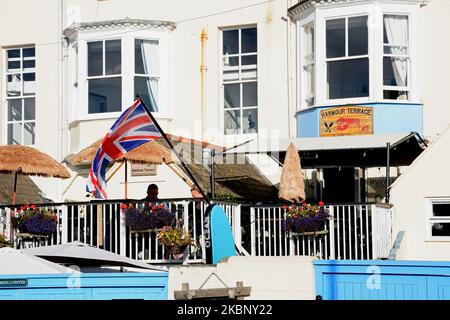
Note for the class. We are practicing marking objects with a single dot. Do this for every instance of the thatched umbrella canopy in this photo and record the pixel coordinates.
(150, 152)
(292, 186)
(31, 162)
(28, 161)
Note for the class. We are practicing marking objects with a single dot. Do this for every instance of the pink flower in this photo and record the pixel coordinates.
(321, 203)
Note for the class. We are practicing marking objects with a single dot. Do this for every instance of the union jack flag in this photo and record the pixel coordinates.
(133, 128)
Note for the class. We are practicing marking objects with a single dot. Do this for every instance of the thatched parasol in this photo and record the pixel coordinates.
(149, 152)
(26, 160)
(292, 187)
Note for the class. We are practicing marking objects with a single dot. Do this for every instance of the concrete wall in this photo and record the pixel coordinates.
(271, 278)
(428, 176)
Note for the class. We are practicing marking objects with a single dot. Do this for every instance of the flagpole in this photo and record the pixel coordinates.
(171, 146)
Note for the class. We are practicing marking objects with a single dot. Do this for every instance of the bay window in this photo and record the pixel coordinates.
(361, 53)
(112, 62)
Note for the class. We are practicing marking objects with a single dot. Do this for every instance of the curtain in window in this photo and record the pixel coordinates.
(397, 35)
(150, 61)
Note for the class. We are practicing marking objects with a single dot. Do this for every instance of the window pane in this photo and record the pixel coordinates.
(14, 53)
(441, 209)
(13, 65)
(232, 93)
(147, 88)
(440, 229)
(29, 133)
(230, 61)
(105, 95)
(231, 41)
(250, 94)
(29, 84)
(395, 30)
(357, 36)
(29, 109)
(113, 55)
(335, 38)
(29, 64)
(249, 40)
(15, 133)
(250, 120)
(395, 95)
(14, 110)
(28, 52)
(249, 60)
(348, 78)
(14, 85)
(146, 56)
(232, 122)
(95, 58)
(395, 71)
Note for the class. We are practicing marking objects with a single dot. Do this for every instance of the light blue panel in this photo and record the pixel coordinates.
(387, 118)
(398, 280)
(92, 286)
(308, 123)
(397, 118)
(221, 236)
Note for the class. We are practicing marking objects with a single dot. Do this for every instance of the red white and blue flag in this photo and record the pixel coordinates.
(133, 128)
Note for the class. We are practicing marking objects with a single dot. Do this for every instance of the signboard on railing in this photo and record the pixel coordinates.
(346, 121)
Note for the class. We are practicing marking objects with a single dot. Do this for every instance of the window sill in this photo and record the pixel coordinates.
(438, 239)
(110, 116)
(341, 103)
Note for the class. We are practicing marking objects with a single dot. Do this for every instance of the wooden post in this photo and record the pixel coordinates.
(15, 188)
(126, 179)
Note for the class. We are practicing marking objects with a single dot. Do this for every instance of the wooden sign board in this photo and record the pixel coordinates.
(346, 121)
(143, 169)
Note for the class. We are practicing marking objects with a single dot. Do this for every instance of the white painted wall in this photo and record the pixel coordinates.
(184, 71)
(434, 66)
(271, 278)
(428, 176)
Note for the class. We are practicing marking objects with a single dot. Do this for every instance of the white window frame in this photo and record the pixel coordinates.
(408, 57)
(104, 75)
(127, 38)
(375, 12)
(21, 97)
(430, 219)
(233, 136)
(301, 63)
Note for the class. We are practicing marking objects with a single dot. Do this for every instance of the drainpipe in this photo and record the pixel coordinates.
(203, 69)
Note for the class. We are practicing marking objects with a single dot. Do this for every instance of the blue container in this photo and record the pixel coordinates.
(85, 286)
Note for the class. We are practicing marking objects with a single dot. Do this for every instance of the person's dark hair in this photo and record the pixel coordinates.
(152, 187)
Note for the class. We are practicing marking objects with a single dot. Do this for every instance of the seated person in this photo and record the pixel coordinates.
(152, 196)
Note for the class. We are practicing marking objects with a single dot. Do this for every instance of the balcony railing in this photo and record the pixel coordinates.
(355, 231)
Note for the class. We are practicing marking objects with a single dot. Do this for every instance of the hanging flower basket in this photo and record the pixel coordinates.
(35, 221)
(176, 250)
(150, 218)
(306, 219)
(175, 239)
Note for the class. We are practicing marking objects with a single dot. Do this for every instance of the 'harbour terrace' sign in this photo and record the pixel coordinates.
(346, 121)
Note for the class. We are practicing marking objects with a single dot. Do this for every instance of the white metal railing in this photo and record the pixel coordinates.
(354, 232)
(102, 224)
